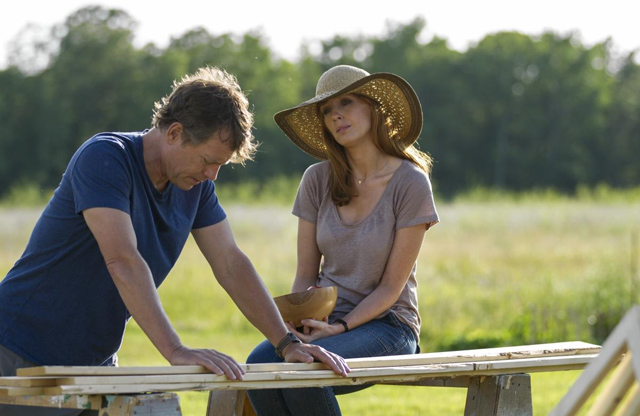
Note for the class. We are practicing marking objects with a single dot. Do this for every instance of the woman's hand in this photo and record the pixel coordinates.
(314, 329)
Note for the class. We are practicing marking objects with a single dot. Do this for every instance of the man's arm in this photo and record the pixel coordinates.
(238, 277)
(309, 257)
(116, 238)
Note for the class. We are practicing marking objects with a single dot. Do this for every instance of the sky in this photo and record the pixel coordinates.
(287, 24)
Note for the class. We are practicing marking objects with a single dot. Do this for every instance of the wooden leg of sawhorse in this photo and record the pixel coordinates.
(229, 403)
(505, 395)
(162, 404)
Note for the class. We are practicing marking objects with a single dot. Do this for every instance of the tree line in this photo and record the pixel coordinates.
(515, 112)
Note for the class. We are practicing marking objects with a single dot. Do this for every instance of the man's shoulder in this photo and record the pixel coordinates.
(118, 146)
(109, 139)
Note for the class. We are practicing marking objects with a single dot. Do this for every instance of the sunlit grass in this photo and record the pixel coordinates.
(492, 273)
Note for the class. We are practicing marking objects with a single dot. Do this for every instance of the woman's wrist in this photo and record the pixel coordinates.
(343, 323)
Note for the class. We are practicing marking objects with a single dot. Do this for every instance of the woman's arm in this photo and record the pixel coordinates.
(404, 253)
(308, 257)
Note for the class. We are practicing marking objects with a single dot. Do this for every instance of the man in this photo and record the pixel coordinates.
(115, 227)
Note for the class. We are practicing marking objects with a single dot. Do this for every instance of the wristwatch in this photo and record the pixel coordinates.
(285, 342)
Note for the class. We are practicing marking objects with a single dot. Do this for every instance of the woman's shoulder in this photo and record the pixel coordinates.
(320, 167)
(409, 172)
(317, 171)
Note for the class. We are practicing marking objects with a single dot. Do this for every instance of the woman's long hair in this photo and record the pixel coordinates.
(340, 181)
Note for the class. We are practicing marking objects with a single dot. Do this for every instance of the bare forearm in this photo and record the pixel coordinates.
(377, 302)
(242, 283)
(134, 282)
(301, 283)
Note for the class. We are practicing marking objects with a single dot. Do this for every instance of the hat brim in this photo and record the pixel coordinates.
(303, 126)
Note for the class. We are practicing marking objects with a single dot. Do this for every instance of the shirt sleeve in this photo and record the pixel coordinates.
(414, 202)
(101, 177)
(307, 202)
(209, 209)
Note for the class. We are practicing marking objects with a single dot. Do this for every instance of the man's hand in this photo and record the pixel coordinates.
(212, 360)
(307, 353)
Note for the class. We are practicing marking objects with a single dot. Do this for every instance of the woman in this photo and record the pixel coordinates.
(363, 213)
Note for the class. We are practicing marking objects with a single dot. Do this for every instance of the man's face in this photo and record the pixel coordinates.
(187, 164)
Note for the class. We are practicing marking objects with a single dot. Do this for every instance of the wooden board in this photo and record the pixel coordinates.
(490, 354)
(27, 381)
(87, 402)
(20, 391)
(318, 378)
(624, 338)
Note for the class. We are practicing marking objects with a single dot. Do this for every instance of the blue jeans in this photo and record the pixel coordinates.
(380, 337)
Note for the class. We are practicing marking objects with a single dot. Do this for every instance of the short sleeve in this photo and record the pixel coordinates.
(414, 201)
(309, 196)
(209, 209)
(101, 176)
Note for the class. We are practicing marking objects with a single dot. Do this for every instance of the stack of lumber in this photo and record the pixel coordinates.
(62, 380)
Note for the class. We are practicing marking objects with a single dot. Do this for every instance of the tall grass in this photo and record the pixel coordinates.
(509, 271)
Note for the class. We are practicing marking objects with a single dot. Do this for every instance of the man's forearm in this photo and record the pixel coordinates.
(242, 283)
(135, 284)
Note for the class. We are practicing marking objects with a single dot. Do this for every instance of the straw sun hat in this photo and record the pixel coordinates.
(303, 125)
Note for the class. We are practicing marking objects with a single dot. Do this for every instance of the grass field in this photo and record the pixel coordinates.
(491, 274)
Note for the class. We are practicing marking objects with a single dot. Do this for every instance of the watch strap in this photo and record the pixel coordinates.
(285, 342)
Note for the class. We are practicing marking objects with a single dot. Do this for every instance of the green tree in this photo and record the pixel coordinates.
(617, 155)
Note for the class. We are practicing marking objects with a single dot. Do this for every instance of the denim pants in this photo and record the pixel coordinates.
(9, 363)
(380, 337)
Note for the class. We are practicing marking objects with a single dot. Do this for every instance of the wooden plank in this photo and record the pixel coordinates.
(624, 335)
(490, 354)
(96, 371)
(155, 404)
(615, 389)
(631, 404)
(27, 381)
(513, 365)
(317, 378)
(226, 402)
(165, 404)
(514, 395)
(506, 395)
(60, 402)
(20, 391)
(459, 382)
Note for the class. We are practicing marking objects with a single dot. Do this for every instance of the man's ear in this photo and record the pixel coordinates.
(174, 133)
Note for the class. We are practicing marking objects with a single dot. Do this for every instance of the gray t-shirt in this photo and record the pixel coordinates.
(355, 255)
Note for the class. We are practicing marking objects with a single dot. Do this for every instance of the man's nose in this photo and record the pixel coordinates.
(211, 172)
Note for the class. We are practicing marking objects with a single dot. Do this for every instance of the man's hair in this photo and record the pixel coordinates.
(207, 102)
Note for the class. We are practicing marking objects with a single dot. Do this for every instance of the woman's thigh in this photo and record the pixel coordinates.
(377, 338)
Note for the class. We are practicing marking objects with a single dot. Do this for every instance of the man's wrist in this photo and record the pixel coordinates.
(285, 342)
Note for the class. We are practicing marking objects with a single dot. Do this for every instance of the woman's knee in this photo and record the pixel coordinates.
(263, 353)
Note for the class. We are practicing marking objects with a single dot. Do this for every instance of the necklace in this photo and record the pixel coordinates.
(377, 175)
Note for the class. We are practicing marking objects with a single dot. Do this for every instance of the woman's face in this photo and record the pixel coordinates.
(348, 119)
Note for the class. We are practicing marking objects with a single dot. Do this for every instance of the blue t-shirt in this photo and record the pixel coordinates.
(58, 304)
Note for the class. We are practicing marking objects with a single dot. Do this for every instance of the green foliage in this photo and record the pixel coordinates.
(515, 112)
(600, 193)
(280, 190)
(28, 196)
(475, 339)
